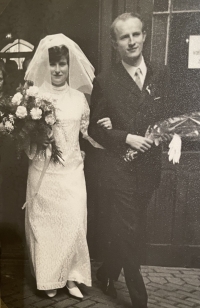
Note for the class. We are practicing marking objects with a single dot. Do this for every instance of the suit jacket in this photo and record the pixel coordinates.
(115, 95)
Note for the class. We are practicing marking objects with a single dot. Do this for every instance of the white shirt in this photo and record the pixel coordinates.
(132, 69)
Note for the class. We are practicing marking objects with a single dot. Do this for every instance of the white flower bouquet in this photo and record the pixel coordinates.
(28, 118)
(185, 127)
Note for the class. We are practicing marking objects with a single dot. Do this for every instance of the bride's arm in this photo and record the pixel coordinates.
(32, 149)
(85, 123)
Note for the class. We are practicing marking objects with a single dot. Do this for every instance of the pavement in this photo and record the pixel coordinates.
(167, 288)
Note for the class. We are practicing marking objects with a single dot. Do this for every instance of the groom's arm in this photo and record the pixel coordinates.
(112, 139)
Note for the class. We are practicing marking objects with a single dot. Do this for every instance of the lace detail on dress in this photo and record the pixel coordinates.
(56, 221)
(84, 125)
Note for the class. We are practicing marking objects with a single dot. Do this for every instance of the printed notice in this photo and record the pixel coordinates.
(194, 51)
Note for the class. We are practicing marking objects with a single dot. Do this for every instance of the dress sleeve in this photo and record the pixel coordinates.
(85, 123)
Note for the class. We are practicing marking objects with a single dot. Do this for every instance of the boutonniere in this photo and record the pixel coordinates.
(151, 89)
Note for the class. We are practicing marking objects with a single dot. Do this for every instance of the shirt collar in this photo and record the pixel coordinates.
(132, 69)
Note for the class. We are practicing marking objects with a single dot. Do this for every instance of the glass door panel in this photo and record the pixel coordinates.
(159, 37)
(181, 5)
(160, 5)
(185, 81)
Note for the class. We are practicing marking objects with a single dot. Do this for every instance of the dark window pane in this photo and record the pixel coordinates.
(160, 5)
(184, 81)
(159, 38)
(181, 5)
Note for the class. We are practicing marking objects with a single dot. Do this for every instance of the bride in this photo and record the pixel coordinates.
(56, 222)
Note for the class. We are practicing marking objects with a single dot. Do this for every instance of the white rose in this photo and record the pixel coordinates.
(50, 119)
(17, 98)
(38, 101)
(32, 91)
(9, 126)
(36, 113)
(21, 112)
(46, 97)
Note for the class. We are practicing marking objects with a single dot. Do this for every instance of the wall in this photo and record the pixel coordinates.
(32, 20)
(110, 9)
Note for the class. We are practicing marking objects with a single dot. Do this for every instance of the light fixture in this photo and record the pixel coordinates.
(9, 36)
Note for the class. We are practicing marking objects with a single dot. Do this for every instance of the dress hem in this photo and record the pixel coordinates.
(59, 285)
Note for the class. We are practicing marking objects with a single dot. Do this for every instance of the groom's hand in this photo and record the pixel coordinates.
(105, 123)
(139, 143)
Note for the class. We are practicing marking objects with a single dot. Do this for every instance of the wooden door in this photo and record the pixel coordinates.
(174, 212)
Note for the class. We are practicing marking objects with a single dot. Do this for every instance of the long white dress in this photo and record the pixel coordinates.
(56, 222)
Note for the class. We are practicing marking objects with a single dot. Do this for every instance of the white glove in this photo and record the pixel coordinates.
(175, 149)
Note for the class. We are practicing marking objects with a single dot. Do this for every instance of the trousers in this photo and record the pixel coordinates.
(126, 240)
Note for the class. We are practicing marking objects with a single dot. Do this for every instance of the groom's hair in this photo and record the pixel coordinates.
(57, 52)
(124, 17)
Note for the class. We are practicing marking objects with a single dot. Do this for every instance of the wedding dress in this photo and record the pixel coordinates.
(56, 221)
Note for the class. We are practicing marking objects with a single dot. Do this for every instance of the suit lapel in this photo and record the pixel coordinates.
(147, 82)
(125, 80)
(148, 77)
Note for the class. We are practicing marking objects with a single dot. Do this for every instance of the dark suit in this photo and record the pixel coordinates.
(130, 184)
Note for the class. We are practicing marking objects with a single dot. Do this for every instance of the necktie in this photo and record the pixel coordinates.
(138, 79)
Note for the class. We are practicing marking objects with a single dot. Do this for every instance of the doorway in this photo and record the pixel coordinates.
(173, 214)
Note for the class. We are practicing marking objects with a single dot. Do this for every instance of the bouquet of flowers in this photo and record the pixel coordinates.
(186, 126)
(28, 118)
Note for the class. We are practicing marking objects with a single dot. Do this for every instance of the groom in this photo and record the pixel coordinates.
(134, 95)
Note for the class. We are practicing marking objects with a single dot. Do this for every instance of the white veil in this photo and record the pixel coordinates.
(81, 71)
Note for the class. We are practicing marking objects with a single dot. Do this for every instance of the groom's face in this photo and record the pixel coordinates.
(59, 71)
(130, 38)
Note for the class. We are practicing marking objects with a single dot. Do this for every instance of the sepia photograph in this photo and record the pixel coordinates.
(99, 153)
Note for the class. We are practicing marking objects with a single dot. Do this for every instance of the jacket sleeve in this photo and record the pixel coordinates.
(111, 139)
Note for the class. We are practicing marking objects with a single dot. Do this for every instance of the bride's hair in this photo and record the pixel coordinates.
(51, 49)
(57, 52)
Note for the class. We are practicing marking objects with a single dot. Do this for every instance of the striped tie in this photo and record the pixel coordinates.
(137, 79)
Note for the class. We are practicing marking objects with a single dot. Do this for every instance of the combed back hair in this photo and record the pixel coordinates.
(124, 17)
(57, 52)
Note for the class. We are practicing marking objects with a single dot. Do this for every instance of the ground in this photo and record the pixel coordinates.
(167, 288)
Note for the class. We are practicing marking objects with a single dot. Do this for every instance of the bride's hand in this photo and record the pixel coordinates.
(48, 141)
(105, 123)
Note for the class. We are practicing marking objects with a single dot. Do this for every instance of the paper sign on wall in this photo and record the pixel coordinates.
(194, 51)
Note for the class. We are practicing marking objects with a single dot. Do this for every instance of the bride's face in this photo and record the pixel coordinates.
(59, 72)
